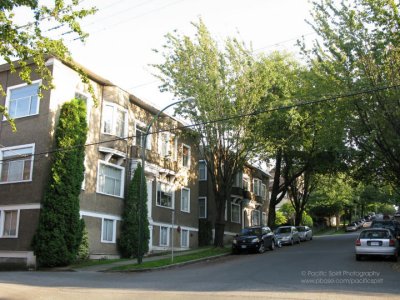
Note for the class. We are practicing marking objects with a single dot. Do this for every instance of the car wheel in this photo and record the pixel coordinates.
(261, 249)
(272, 247)
(358, 257)
(298, 241)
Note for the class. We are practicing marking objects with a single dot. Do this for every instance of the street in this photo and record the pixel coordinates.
(322, 268)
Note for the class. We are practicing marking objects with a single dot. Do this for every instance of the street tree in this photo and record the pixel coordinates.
(227, 84)
(30, 42)
(359, 49)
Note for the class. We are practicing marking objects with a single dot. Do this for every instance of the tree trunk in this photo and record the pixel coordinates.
(219, 235)
(298, 218)
(275, 189)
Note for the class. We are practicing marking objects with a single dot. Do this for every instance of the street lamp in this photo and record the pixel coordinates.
(142, 179)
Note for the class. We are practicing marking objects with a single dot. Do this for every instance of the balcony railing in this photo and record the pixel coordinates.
(155, 158)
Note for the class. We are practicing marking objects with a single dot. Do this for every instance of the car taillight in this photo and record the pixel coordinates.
(358, 242)
(392, 243)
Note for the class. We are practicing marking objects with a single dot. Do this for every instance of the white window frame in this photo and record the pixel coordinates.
(160, 238)
(113, 130)
(263, 191)
(2, 150)
(205, 208)
(114, 230)
(148, 140)
(247, 180)
(188, 200)
(158, 184)
(257, 187)
(237, 205)
(167, 143)
(2, 225)
(185, 232)
(253, 213)
(102, 162)
(189, 155)
(203, 162)
(9, 91)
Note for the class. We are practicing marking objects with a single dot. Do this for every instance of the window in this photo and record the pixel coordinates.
(203, 208)
(114, 120)
(257, 187)
(165, 195)
(164, 144)
(23, 100)
(264, 218)
(9, 223)
(235, 213)
(140, 132)
(202, 170)
(85, 98)
(185, 200)
(264, 191)
(246, 185)
(110, 179)
(185, 156)
(238, 180)
(16, 163)
(108, 231)
(164, 236)
(185, 238)
(255, 217)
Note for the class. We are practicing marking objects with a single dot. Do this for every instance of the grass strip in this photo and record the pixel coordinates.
(177, 259)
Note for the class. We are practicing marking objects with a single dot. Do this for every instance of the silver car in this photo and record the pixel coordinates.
(377, 241)
(287, 235)
(305, 233)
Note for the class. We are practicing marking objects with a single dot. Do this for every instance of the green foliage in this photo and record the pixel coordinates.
(280, 218)
(60, 229)
(307, 220)
(129, 238)
(385, 209)
(205, 232)
(288, 211)
(29, 44)
(360, 50)
(83, 251)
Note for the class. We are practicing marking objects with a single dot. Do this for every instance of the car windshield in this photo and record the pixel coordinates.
(301, 229)
(251, 231)
(374, 234)
(283, 230)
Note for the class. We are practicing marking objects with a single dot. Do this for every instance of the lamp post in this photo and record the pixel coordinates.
(142, 179)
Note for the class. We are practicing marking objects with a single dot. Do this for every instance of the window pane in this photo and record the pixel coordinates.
(110, 180)
(107, 119)
(185, 200)
(24, 101)
(185, 156)
(235, 213)
(185, 238)
(17, 164)
(202, 170)
(120, 126)
(202, 208)
(164, 236)
(164, 194)
(10, 223)
(108, 230)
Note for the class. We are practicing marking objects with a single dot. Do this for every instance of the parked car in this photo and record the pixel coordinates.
(367, 224)
(256, 238)
(393, 225)
(305, 233)
(352, 227)
(287, 235)
(377, 241)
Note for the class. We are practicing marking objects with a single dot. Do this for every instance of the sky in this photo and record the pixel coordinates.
(123, 33)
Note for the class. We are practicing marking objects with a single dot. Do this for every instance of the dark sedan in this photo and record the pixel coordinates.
(257, 238)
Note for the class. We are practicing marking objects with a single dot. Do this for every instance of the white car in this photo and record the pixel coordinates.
(377, 241)
(305, 233)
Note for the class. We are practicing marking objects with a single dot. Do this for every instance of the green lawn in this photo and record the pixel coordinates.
(95, 262)
(210, 252)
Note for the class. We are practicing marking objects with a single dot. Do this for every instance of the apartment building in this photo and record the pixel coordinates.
(116, 123)
(178, 192)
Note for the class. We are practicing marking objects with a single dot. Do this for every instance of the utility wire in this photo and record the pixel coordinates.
(254, 113)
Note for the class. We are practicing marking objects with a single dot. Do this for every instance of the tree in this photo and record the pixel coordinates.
(29, 43)
(226, 85)
(360, 51)
(60, 228)
(129, 237)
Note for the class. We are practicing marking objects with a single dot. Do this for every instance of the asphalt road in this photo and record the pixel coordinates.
(322, 268)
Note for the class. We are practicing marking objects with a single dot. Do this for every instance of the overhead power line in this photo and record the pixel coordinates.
(224, 119)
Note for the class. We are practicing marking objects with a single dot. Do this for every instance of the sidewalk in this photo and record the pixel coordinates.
(105, 267)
